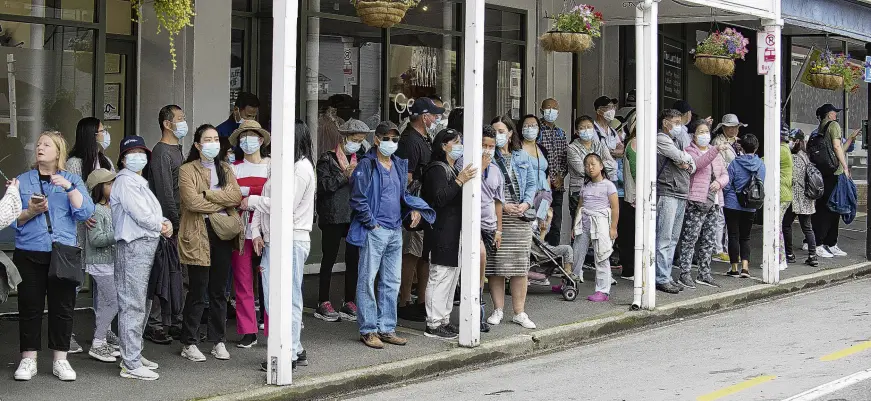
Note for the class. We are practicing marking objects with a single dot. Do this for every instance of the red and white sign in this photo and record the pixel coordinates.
(766, 50)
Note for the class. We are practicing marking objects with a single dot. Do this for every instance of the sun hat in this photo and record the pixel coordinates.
(250, 125)
(99, 176)
(354, 126)
(730, 120)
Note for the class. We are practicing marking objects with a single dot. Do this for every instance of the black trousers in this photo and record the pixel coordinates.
(626, 238)
(211, 280)
(805, 221)
(739, 223)
(33, 291)
(331, 240)
(824, 220)
(556, 225)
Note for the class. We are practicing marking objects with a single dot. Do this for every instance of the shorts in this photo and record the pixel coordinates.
(412, 244)
(489, 240)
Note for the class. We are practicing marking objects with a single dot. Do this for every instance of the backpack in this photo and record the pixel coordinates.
(752, 196)
(813, 183)
(821, 152)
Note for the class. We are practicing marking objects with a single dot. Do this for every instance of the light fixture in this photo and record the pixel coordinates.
(425, 8)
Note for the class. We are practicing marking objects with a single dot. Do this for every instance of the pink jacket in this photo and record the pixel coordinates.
(708, 163)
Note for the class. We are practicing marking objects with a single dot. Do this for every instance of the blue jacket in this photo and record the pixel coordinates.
(526, 172)
(843, 199)
(366, 197)
(227, 127)
(33, 235)
(740, 171)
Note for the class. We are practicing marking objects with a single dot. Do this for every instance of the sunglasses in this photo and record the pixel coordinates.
(394, 139)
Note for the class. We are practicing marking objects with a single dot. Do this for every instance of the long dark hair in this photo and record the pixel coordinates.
(587, 178)
(97, 193)
(515, 143)
(303, 142)
(194, 154)
(444, 136)
(87, 148)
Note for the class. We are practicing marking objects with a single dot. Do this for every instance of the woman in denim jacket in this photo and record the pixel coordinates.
(514, 242)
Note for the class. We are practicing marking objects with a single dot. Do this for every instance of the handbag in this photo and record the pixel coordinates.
(226, 227)
(66, 260)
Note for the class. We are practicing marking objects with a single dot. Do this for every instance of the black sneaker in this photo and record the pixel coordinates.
(265, 368)
(452, 328)
(733, 273)
(676, 285)
(812, 261)
(247, 341)
(441, 332)
(686, 281)
(326, 312)
(668, 288)
(707, 281)
(158, 336)
(175, 331)
(790, 258)
(301, 359)
(485, 327)
(412, 312)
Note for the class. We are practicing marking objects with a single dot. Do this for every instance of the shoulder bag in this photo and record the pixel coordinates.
(66, 260)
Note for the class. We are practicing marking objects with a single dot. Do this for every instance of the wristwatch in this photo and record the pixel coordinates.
(70, 188)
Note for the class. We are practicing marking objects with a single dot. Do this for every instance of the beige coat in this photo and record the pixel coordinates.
(197, 201)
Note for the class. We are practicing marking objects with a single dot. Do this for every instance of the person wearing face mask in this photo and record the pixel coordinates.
(334, 169)
(137, 224)
(726, 132)
(702, 210)
(251, 174)
(210, 230)
(554, 142)
(381, 206)
(443, 191)
(416, 148)
(586, 142)
(244, 109)
(166, 160)
(674, 167)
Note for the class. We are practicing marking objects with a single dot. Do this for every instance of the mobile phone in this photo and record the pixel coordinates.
(37, 198)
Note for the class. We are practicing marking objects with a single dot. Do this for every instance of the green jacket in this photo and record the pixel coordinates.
(100, 245)
(785, 173)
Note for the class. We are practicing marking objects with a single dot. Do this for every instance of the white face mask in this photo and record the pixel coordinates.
(210, 150)
(181, 129)
(135, 162)
(530, 133)
(387, 148)
(501, 140)
(107, 140)
(587, 134)
(250, 144)
(703, 140)
(352, 147)
(609, 115)
(490, 152)
(550, 115)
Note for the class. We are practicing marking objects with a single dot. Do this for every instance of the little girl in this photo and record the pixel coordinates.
(596, 224)
(100, 264)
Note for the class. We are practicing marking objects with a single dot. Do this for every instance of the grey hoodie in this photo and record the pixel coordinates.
(672, 180)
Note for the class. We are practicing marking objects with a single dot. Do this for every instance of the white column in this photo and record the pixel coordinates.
(473, 100)
(645, 176)
(771, 220)
(279, 346)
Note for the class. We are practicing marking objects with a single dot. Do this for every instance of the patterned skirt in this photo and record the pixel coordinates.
(512, 258)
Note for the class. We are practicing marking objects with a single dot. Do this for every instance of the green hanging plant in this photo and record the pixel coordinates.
(172, 16)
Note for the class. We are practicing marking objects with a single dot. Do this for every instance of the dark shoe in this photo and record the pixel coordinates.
(678, 286)
(733, 273)
(707, 281)
(247, 341)
(668, 288)
(452, 328)
(265, 368)
(372, 340)
(745, 273)
(812, 261)
(392, 338)
(302, 359)
(348, 312)
(485, 327)
(175, 332)
(686, 281)
(158, 336)
(75, 348)
(442, 332)
(326, 312)
(790, 258)
(412, 312)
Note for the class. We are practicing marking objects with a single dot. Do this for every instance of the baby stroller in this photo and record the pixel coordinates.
(545, 263)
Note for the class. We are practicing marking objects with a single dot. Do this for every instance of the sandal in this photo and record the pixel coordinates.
(745, 273)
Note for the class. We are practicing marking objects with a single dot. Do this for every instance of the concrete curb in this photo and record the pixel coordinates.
(538, 341)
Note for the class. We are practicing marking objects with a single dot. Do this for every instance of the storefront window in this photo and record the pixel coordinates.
(70, 10)
(120, 17)
(434, 14)
(503, 24)
(857, 114)
(422, 65)
(503, 77)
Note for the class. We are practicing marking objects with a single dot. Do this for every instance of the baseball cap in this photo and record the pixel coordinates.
(425, 105)
(603, 101)
(682, 106)
(133, 142)
(826, 108)
(384, 127)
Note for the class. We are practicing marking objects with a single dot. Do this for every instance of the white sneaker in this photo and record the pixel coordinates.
(836, 251)
(148, 364)
(63, 370)
(191, 352)
(142, 373)
(823, 252)
(495, 317)
(631, 278)
(804, 246)
(523, 320)
(26, 369)
(783, 266)
(219, 351)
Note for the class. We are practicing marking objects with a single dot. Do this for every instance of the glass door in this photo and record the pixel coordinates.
(119, 93)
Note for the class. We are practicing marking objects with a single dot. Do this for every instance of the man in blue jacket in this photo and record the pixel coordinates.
(379, 204)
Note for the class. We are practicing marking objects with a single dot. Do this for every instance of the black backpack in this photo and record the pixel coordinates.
(813, 183)
(822, 153)
(752, 196)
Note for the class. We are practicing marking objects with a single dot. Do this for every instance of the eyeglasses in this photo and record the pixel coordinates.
(394, 139)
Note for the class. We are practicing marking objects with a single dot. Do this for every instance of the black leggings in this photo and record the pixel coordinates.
(331, 239)
(36, 286)
(826, 221)
(739, 223)
(626, 238)
(805, 221)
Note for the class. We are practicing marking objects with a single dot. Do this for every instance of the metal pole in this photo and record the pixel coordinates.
(868, 180)
(279, 345)
(473, 100)
(771, 219)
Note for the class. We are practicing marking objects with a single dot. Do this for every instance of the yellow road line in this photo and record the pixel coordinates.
(735, 388)
(847, 351)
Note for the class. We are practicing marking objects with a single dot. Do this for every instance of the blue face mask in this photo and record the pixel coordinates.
(501, 140)
(210, 150)
(387, 148)
(135, 162)
(107, 140)
(352, 147)
(456, 151)
(231, 158)
(550, 115)
(250, 144)
(181, 129)
(587, 134)
(530, 133)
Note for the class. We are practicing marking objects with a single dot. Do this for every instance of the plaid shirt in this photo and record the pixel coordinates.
(554, 142)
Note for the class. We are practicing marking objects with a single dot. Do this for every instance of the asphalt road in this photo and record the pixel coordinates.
(768, 351)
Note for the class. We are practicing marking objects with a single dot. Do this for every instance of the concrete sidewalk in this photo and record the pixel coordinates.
(340, 363)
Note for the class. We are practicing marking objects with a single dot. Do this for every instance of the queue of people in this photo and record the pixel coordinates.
(398, 207)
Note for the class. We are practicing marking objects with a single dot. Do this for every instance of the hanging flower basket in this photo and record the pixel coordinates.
(382, 13)
(573, 30)
(826, 81)
(567, 42)
(172, 16)
(716, 54)
(718, 66)
(834, 72)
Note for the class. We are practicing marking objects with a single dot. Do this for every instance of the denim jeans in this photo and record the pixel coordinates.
(381, 258)
(669, 219)
(301, 250)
